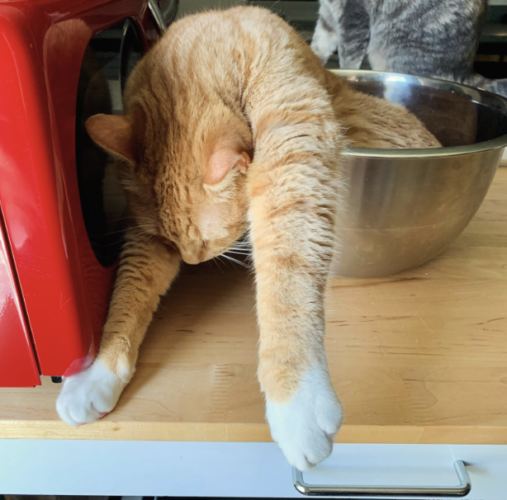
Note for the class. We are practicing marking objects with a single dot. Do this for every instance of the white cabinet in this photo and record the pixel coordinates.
(234, 469)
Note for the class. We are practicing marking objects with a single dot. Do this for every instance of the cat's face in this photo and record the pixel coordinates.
(191, 195)
(200, 219)
(214, 223)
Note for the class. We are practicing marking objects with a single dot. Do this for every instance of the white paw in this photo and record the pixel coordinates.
(89, 395)
(323, 43)
(305, 427)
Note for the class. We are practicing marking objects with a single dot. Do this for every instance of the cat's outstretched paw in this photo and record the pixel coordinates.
(89, 395)
(305, 427)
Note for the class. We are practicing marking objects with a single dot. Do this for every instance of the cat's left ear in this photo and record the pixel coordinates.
(222, 161)
(113, 133)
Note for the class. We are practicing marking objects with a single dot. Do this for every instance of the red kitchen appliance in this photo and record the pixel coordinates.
(60, 62)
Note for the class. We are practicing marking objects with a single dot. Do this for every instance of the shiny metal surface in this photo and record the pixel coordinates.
(157, 15)
(404, 207)
(169, 10)
(462, 489)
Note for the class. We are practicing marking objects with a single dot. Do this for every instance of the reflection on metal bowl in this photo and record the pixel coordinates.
(404, 207)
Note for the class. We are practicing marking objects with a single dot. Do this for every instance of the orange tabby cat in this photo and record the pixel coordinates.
(233, 124)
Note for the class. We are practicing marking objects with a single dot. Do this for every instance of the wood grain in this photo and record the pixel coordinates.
(420, 357)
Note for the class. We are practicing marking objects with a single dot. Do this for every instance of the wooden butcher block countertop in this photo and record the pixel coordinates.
(420, 357)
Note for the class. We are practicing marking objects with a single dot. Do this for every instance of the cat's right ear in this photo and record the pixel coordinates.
(222, 161)
(114, 133)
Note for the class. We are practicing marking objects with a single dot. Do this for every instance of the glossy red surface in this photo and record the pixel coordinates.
(17, 361)
(65, 290)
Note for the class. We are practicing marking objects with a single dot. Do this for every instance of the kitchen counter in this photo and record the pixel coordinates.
(420, 357)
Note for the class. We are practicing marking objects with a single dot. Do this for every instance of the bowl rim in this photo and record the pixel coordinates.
(474, 93)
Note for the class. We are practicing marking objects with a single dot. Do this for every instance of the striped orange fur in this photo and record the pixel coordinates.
(232, 124)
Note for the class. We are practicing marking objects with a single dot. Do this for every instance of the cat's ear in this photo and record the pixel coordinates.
(222, 161)
(113, 133)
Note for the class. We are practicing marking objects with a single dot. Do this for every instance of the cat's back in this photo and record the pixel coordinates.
(214, 45)
(242, 28)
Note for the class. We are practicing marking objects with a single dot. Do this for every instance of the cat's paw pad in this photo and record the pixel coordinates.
(89, 395)
(305, 427)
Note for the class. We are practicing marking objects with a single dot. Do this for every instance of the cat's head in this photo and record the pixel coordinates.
(185, 183)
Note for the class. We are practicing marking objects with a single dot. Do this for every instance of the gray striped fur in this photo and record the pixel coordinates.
(435, 38)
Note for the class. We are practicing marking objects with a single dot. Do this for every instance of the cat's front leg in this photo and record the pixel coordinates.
(146, 270)
(325, 36)
(353, 32)
(305, 424)
(294, 201)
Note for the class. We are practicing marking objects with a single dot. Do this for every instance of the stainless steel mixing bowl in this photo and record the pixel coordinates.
(404, 207)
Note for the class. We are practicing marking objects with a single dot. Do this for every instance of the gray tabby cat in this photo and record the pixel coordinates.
(435, 38)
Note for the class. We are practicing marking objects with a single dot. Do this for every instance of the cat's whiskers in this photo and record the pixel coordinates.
(232, 259)
(216, 261)
(226, 260)
(241, 244)
(239, 252)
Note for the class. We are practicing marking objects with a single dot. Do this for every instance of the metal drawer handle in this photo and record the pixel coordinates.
(461, 490)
